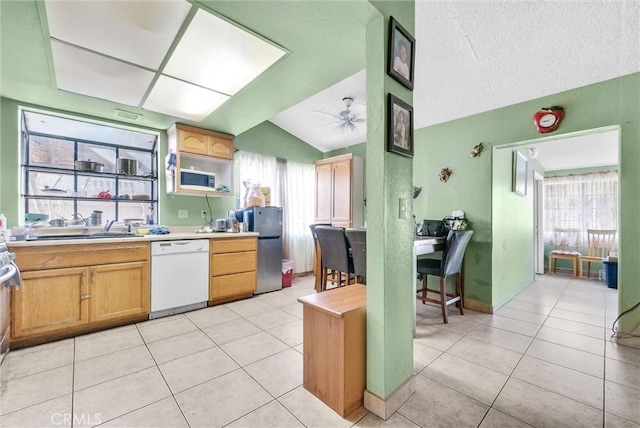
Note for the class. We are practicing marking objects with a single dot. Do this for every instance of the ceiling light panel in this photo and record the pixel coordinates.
(221, 56)
(134, 31)
(86, 73)
(176, 98)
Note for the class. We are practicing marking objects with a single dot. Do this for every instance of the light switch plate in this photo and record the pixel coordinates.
(183, 214)
(404, 208)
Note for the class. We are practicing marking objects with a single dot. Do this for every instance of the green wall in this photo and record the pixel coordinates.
(265, 138)
(609, 103)
(390, 298)
(513, 235)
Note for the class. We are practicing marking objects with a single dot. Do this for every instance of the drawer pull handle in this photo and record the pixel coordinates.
(85, 296)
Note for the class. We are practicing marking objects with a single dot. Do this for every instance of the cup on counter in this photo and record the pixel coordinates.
(237, 227)
(245, 227)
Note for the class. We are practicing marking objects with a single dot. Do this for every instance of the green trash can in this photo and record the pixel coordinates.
(612, 273)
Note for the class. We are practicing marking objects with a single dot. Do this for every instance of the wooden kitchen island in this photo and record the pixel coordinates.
(334, 346)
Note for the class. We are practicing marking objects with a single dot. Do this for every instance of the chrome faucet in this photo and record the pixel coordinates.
(109, 224)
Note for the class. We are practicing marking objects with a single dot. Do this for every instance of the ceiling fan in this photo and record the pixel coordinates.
(346, 120)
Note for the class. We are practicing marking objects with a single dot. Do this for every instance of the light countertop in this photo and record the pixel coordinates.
(168, 237)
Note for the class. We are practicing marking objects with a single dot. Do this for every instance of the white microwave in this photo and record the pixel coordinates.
(197, 180)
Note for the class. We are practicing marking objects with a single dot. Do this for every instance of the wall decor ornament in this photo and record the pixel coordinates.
(445, 174)
(548, 119)
(416, 191)
(477, 150)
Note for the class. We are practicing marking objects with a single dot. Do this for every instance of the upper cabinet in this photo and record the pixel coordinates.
(339, 191)
(203, 162)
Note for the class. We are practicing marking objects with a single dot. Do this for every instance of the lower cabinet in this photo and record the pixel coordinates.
(50, 300)
(233, 264)
(71, 299)
(119, 290)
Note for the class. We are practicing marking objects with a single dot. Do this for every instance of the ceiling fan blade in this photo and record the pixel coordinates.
(359, 120)
(328, 114)
(327, 124)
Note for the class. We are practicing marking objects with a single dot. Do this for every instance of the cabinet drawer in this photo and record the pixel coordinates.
(224, 264)
(62, 256)
(231, 285)
(219, 246)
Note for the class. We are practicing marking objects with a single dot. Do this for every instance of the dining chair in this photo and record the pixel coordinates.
(317, 261)
(358, 242)
(449, 265)
(599, 243)
(567, 246)
(335, 255)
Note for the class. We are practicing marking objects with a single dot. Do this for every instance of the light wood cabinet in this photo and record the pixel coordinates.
(334, 351)
(203, 150)
(233, 267)
(50, 300)
(339, 191)
(119, 290)
(69, 289)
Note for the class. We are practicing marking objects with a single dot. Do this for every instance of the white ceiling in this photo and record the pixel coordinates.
(584, 151)
(476, 56)
(305, 121)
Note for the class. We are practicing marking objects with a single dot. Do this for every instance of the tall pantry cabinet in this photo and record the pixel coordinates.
(339, 191)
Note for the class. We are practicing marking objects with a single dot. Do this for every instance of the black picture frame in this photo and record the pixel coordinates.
(403, 72)
(520, 170)
(399, 135)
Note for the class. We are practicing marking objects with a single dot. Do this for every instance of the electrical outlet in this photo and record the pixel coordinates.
(203, 214)
(404, 208)
(183, 214)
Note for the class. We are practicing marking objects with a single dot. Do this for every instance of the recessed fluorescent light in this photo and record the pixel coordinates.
(97, 76)
(135, 31)
(177, 98)
(219, 55)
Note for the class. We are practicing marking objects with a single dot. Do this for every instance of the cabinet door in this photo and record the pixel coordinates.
(341, 190)
(220, 147)
(323, 194)
(119, 290)
(51, 300)
(192, 142)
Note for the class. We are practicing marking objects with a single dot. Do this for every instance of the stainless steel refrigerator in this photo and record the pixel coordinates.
(267, 221)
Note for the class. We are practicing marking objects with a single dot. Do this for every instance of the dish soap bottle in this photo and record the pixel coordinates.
(149, 219)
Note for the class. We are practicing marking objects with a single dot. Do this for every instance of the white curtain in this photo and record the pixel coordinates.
(292, 185)
(257, 169)
(581, 201)
(298, 215)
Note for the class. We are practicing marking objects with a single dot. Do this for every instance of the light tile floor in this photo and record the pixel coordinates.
(544, 360)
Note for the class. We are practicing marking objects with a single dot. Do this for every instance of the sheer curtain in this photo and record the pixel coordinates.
(258, 169)
(298, 214)
(581, 201)
(292, 185)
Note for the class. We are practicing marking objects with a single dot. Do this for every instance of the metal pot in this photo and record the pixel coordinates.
(127, 166)
(57, 222)
(88, 165)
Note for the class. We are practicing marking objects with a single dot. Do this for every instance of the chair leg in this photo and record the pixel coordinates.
(443, 299)
(424, 288)
(588, 269)
(323, 279)
(459, 303)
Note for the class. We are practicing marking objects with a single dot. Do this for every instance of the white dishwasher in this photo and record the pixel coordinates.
(179, 276)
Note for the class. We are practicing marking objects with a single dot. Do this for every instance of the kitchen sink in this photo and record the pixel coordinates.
(95, 235)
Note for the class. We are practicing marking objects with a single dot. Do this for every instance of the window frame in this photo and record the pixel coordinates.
(26, 167)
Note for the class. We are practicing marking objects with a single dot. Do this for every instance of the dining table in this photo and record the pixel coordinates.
(422, 245)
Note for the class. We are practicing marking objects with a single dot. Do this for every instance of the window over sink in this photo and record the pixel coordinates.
(73, 166)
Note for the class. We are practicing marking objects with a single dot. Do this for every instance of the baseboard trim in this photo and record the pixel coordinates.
(384, 408)
(474, 305)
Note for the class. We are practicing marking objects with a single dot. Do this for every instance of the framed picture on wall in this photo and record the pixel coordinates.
(519, 173)
(402, 49)
(399, 127)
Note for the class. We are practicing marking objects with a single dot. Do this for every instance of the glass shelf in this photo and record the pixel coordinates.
(69, 171)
